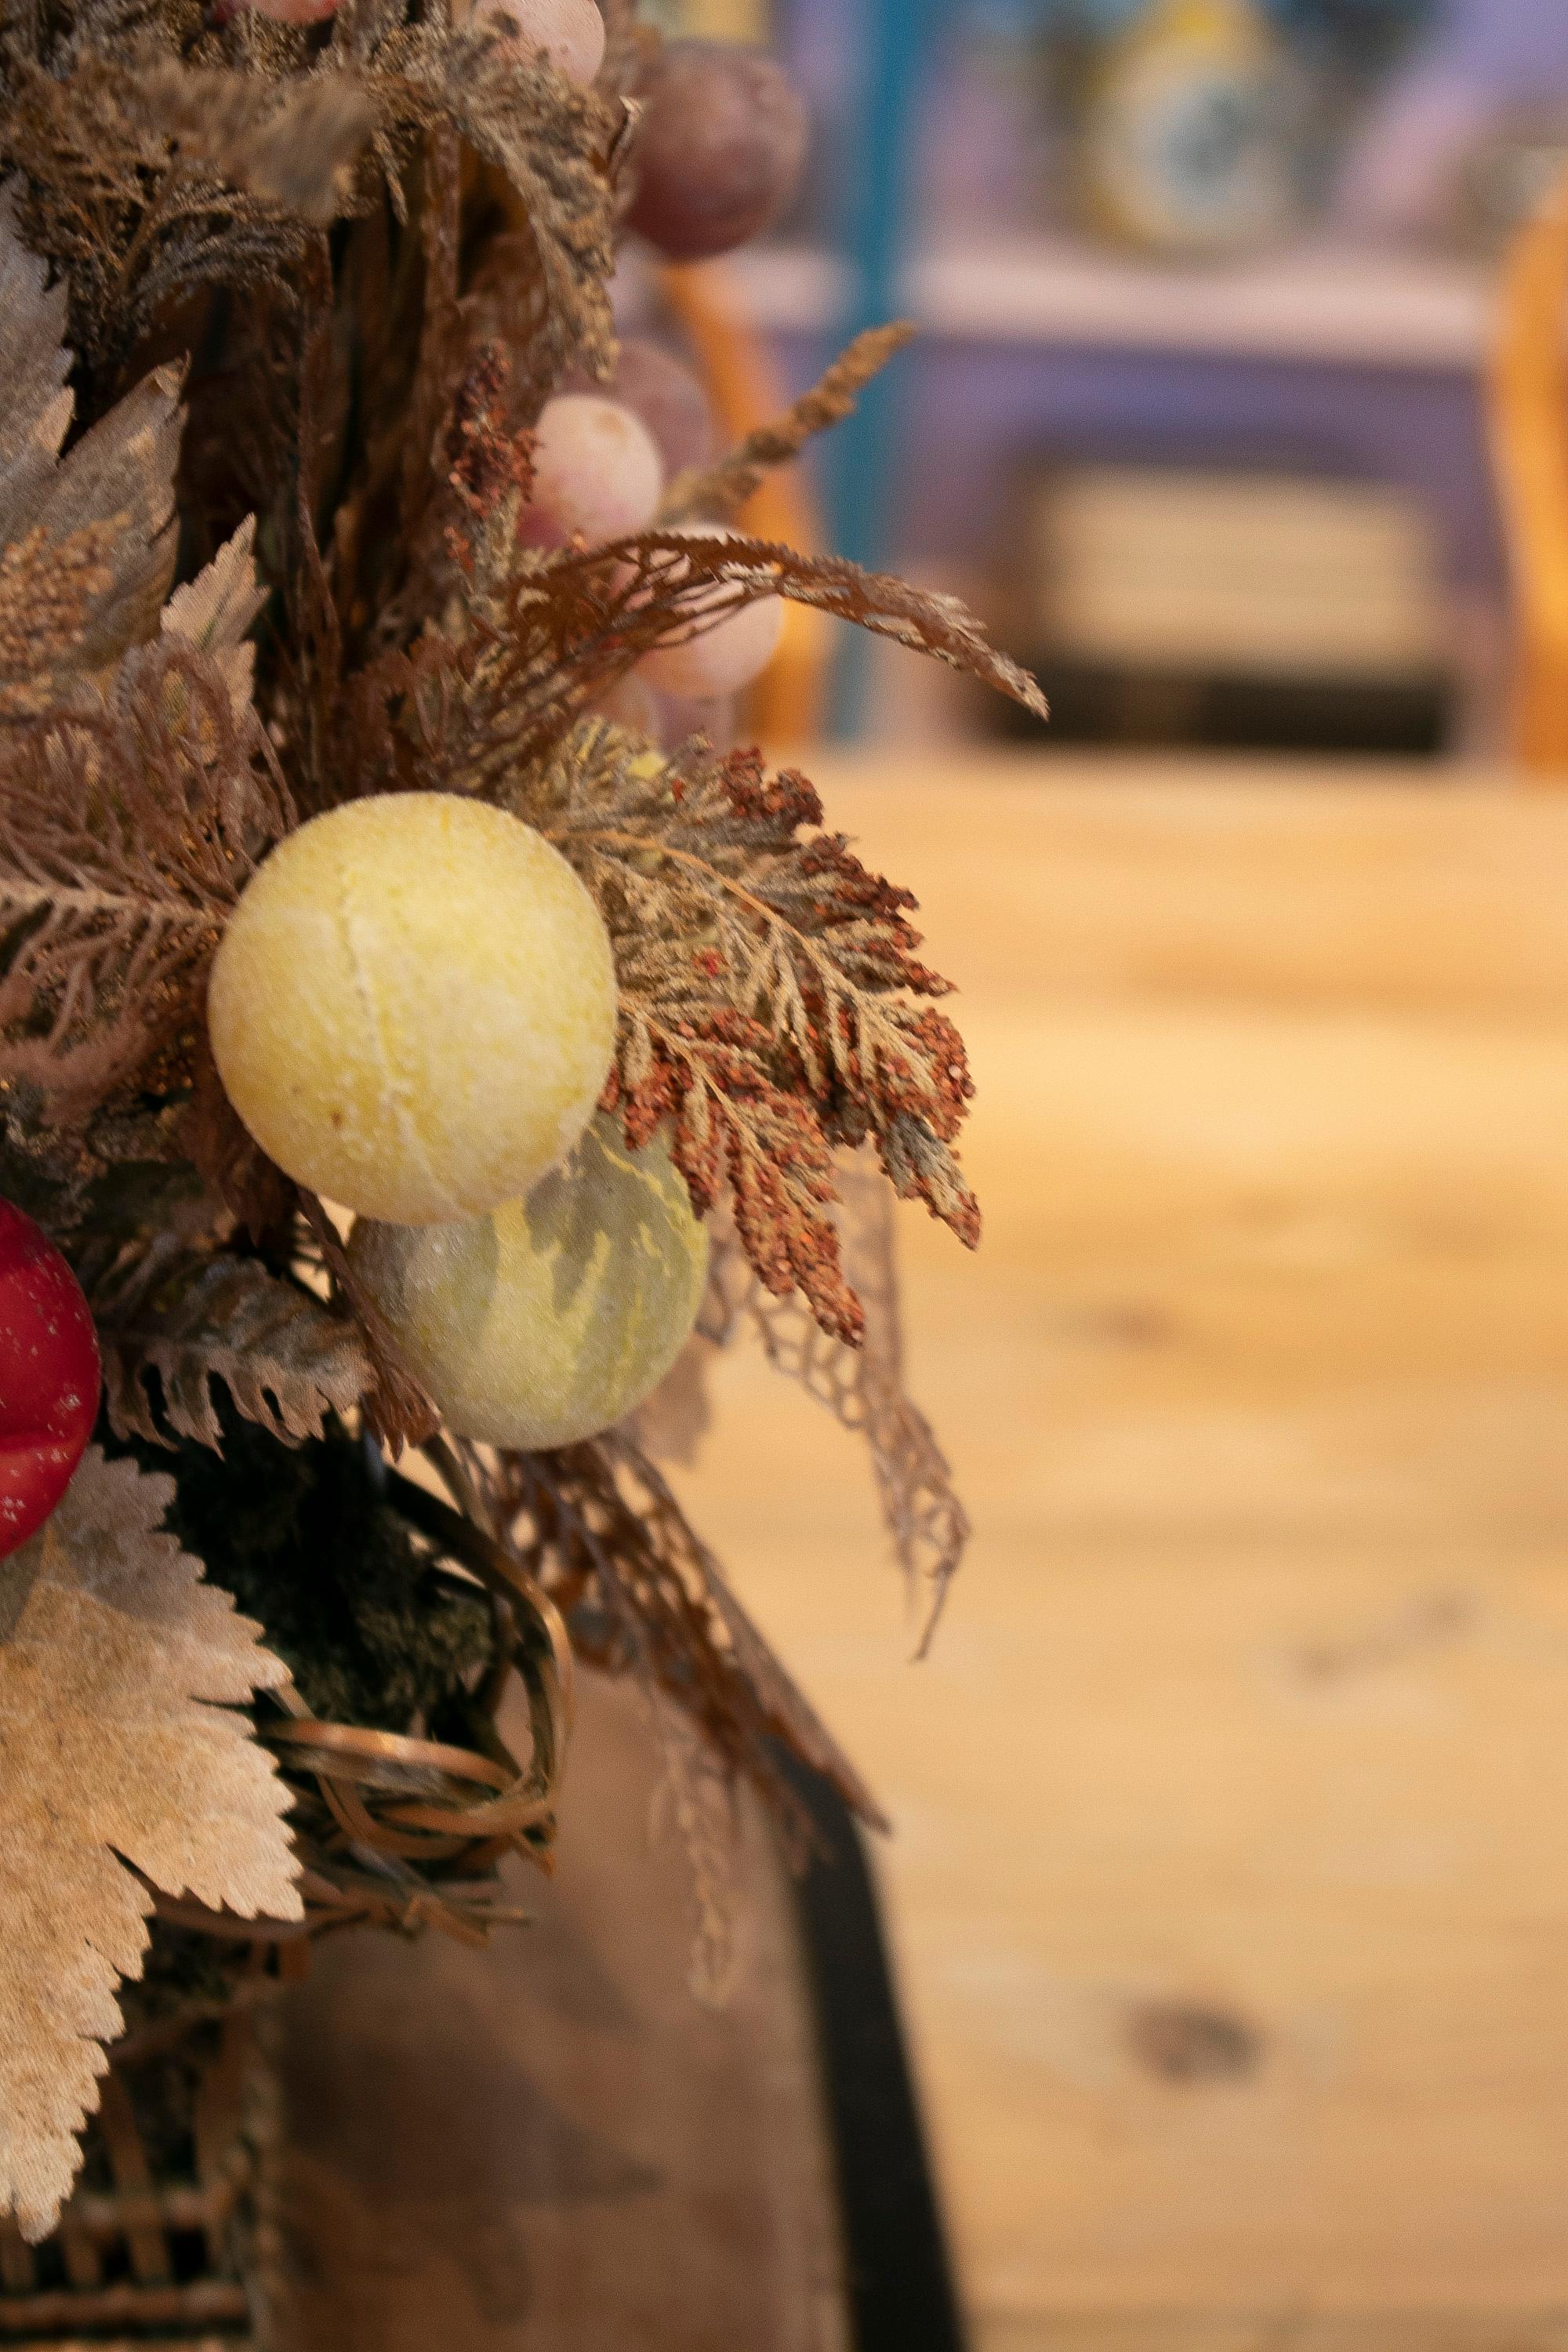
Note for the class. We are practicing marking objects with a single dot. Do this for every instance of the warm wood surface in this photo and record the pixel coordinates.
(1231, 1880)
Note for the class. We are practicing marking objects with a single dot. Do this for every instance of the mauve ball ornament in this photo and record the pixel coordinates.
(719, 148)
(596, 469)
(570, 32)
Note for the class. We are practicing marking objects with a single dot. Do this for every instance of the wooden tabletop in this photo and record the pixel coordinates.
(1230, 1880)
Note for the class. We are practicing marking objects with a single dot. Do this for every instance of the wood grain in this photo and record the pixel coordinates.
(1231, 1872)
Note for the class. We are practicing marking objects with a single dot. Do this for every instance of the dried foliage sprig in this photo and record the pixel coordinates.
(771, 996)
(127, 832)
(533, 649)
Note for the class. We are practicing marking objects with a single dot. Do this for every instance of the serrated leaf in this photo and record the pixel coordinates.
(216, 610)
(114, 1687)
(225, 1323)
(87, 542)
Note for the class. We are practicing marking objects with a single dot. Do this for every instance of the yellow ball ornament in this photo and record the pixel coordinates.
(412, 1008)
(547, 1320)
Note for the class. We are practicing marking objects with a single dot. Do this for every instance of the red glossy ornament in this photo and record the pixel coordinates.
(49, 1377)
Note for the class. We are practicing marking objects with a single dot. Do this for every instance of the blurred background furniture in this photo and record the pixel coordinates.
(1530, 435)
(1333, 343)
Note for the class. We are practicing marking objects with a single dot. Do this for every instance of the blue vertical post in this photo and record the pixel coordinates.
(865, 451)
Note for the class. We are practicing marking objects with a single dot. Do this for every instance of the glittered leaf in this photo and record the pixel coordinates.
(216, 610)
(122, 1764)
(87, 542)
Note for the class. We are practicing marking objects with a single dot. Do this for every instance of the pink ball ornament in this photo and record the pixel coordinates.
(570, 32)
(721, 659)
(661, 389)
(282, 12)
(595, 468)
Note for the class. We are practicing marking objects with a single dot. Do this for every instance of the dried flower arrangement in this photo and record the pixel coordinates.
(333, 869)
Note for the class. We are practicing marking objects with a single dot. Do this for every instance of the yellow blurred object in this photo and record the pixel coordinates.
(1186, 140)
(715, 20)
(1529, 409)
(785, 704)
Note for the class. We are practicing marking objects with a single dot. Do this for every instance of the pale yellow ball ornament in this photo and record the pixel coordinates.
(547, 1320)
(412, 1008)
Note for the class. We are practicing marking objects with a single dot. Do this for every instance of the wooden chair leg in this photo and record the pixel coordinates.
(1527, 402)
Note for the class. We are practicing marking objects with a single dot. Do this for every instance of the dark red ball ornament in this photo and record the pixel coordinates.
(49, 1377)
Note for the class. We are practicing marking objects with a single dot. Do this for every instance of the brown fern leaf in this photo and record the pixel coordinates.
(542, 637)
(670, 587)
(732, 1126)
(87, 542)
(769, 996)
(175, 1324)
(597, 1525)
(128, 828)
(106, 192)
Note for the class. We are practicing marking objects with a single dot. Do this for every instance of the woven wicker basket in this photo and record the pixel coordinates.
(162, 2255)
